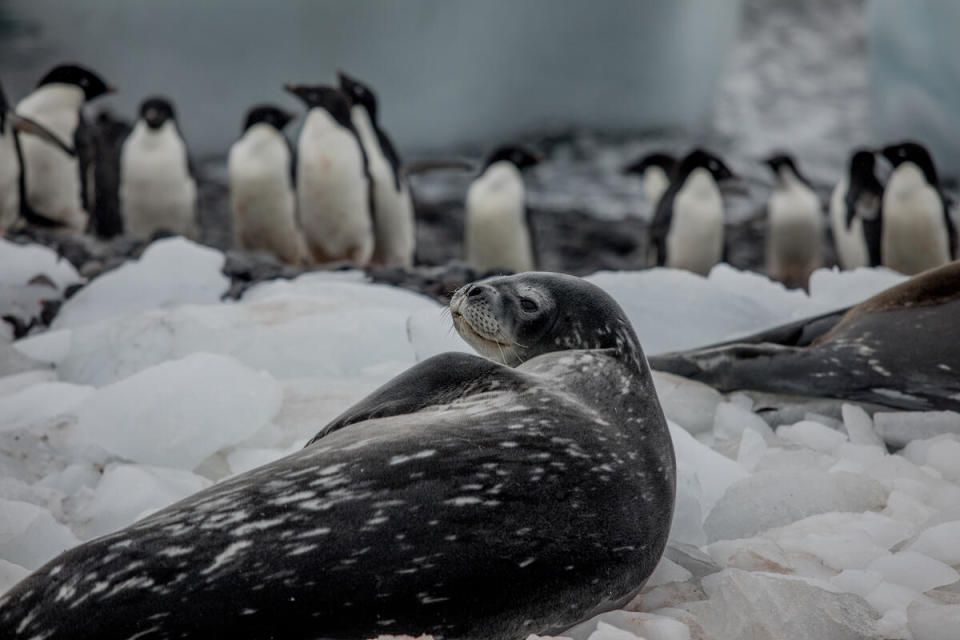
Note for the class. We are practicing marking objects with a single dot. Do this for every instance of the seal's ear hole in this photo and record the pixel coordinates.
(528, 305)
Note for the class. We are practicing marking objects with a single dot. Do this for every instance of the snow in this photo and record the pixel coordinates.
(153, 388)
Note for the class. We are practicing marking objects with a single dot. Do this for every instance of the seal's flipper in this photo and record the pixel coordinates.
(437, 380)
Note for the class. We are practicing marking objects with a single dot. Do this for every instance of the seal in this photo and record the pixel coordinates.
(464, 499)
(892, 350)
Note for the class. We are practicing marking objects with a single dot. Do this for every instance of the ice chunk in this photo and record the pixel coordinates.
(771, 499)
(714, 471)
(914, 570)
(752, 448)
(10, 574)
(170, 272)
(609, 632)
(51, 347)
(933, 622)
(858, 581)
(888, 596)
(859, 426)
(667, 571)
(128, 492)
(813, 435)
(941, 453)
(628, 625)
(29, 536)
(731, 419)
(21, 262)
(834, 289)
(940, 542)
(689, 403)
(898, 428)
(178, 413)
(20, 381)
(753, 606)
(752, 554)
(40, 402)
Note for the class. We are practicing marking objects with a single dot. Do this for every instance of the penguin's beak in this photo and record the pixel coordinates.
(291, 87)
(28, 126)
(110, 89)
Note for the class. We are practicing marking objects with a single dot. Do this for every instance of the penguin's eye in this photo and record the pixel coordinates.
(714, 166)
(528, 305)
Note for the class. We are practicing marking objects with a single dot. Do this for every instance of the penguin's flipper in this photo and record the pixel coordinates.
(293, 162)
(85, 145)
(951, 227)
(32, 127)
(660, 225)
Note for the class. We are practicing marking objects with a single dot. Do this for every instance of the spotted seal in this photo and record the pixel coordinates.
(895, 349)
(466, 498)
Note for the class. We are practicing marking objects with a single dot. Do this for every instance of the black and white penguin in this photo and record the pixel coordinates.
(11, 174)
(57, 186)
(794, 224)
(687, 228)
(157, 190)
(917, 232)
(393, 220)
(855, 213)
(334, 194)
(260, 166)
(498, 231)
(654, 170)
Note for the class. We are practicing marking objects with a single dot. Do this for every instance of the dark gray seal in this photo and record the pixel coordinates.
(463, 499)
(897, 349)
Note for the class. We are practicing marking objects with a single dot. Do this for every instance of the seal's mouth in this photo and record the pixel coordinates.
(462, 324)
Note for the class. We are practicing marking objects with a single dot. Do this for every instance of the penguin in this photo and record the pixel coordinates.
(498, 232)
(393, 220)
(157, 190)
(687, 227)
(917, 232)
(57, 186)
(260, 167)
(855, 213)
(11, 160)
(794, 224)
(654, 170)
(334, 194)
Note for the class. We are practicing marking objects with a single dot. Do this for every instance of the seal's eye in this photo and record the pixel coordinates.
(528, 305)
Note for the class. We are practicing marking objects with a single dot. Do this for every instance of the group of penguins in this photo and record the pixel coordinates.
(904, 225)
(341, 196)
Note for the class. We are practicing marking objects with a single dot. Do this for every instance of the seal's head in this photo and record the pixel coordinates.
(511, 319)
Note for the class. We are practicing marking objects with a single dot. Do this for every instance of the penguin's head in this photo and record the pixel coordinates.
(520, 157)
(155, 111)
(664, 161)
(862, 181)
(330, 99)
(268, 114)
(862, 167)
(358, 93)
(702, 159)
(779, 161)
(913, 152)
(90, 83)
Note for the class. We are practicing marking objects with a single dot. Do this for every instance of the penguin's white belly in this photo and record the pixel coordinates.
(9, 181)
(394, 228)
(393, 219)
(156, 192)
(53, 178)
(695, 239)
(332, 196)
(793, 235)
(262, 202)
(914, 232)
(850, 244)
(497, 238)
(655, 182)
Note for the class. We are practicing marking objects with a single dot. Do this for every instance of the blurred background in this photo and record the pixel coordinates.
(592, 84)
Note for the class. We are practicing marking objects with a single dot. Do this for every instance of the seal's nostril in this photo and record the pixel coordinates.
(474, 291)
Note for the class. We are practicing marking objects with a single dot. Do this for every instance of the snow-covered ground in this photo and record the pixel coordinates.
(148, 388)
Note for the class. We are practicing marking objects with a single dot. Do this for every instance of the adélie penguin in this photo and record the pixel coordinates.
(260, 166)
(498, 233)
(917, 233)
(57, 186)
(654, 170)
(687, 227)
(855, 213)
(157, 190)
(393, 219)
(794, 224)
(11, 173)
(333, 181)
